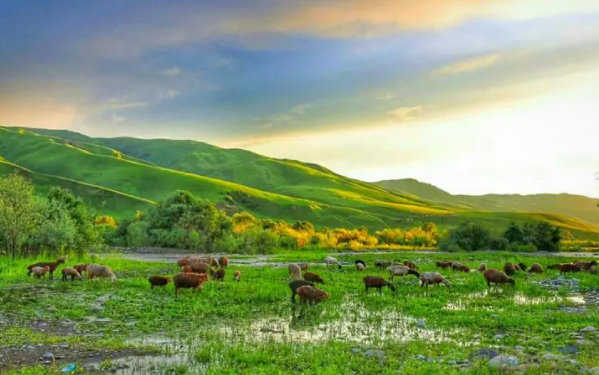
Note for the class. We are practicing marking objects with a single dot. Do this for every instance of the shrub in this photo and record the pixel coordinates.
(500, 243)
(524, 248)
(470, 236)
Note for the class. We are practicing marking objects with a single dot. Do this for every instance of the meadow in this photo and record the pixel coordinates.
(251, 327)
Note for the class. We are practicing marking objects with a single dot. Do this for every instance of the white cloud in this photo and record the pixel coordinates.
(466, 66)
(172, 71)
(408, 113)
(117, 119)
(123, 104)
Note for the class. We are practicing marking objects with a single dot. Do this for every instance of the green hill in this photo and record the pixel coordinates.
(576, 206)
(133, 173)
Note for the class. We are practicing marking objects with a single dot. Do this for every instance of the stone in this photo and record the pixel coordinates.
(519, 348)
(499, 336)
(588, 329)
(503, 361)
(356, 350)
(484, 353)
(421, 357)
(376, 353)
(594, 371)
(421, 324)
(570, 349)
(583, 342)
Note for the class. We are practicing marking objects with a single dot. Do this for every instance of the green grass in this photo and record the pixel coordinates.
(252, 328)
(145, 171)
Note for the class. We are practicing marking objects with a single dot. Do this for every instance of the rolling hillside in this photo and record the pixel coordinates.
(119, 175)
(576, 206)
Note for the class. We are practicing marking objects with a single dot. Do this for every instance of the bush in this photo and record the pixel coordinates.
(524, 248)
(500, 244)
(470, 236)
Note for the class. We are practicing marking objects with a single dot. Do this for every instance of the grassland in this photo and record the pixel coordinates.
(251, 327)
(140, 172)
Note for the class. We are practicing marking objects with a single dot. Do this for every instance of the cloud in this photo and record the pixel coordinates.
(466, 66)
(170, 94)
(172, 71)
(123, 104)
(403, 114)
(116, 119)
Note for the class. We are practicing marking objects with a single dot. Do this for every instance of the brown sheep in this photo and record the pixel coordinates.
(311, 295)
(237, 275)
(39, 272)
(585, 266)
(182, 262)
(68, 271)
(536, 268)
(564, 268)
(219, 275)
(378, 283)
(482, 268)
(456, 266)
(295, 271)
(51, 266)
(310, 276)
(433, 278)
(553, 266)
(444, 264)
(522, 266)
(187, 269)
(462, 268)
(159, 281)
(199, 267)
(81, 268)
(189, 280)
(410, 265)
(509, 268)
(497, 277)
(98, 270)
(294, 285)
(223, 261)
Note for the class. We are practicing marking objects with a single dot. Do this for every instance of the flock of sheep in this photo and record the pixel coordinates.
(197, 271)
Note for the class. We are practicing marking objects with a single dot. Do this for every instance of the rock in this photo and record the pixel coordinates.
(588, 329)
(519, 348)
(503, 361)
(421, 324)
(48, 358)
(485, 353)
(421, 357)
(583, 342)
(452, 363)
(499, 337)
(376, 353)
(356, 350)
(570, 349)
(594, 371)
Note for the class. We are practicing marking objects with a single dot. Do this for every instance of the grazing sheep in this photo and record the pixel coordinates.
(378, 283)
(360, 267)
(39, 272)
(310, 276)
(444, 264)
(593, 270)
(215, 263)
(223, 261)
(497, 277)
(482, 268)
(564, 268)
(330, 261)
(522, 266)
(553, 266)
(182, 262)
(401, 271)
(310, 294)
(410, 264)
(295, 271)
(187, 269)
(51, 266)
(381, 263)
(219, 275)
(295, 284)
(585, 266)
(68, 271)
(81, 268)
(433, 278)
(201, 268)
(536, 268)
(462, 268)
(237, 275)
(159, 281)
(303, 266)
(189, 280)
(509, 268)
(360, 261)
(98, 270)
(456, 266)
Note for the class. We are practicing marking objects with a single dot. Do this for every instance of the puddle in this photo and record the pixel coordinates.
(466, 302)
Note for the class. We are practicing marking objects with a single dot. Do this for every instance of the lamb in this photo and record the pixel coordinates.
(359, 261)
(51, 266)
(295, 284)
(360, 267)
(509, 268)
(98, 270)
(410, 264)
(330, 261)
(219, 275)
(81, 267)
(564, 268)
(378, 283)
(295, 271)
(68, 271)
(381, 263)
(223, 261)
(39, 272)
(310, 276)
(444, 264)
(401, 271)
(303, 266)
(536, 268)
(159, 281)
(310, 294)
(497, 277)
(482, 268)
(237, 275)
(522, 266)
(189, 280)
(433, 278)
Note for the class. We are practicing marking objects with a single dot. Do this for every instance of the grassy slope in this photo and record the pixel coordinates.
(285, 189)
(576, 206)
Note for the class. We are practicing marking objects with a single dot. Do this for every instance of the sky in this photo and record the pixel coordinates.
(474, 96)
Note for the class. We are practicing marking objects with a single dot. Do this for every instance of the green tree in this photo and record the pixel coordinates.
(469, 236)
(514, 233)
(19, 216)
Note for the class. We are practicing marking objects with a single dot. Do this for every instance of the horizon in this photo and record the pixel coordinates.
(497, 97)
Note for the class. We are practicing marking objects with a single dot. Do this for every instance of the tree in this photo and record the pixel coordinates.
(514, 233)
(469, 236)
(18, 212)
(547, 237)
